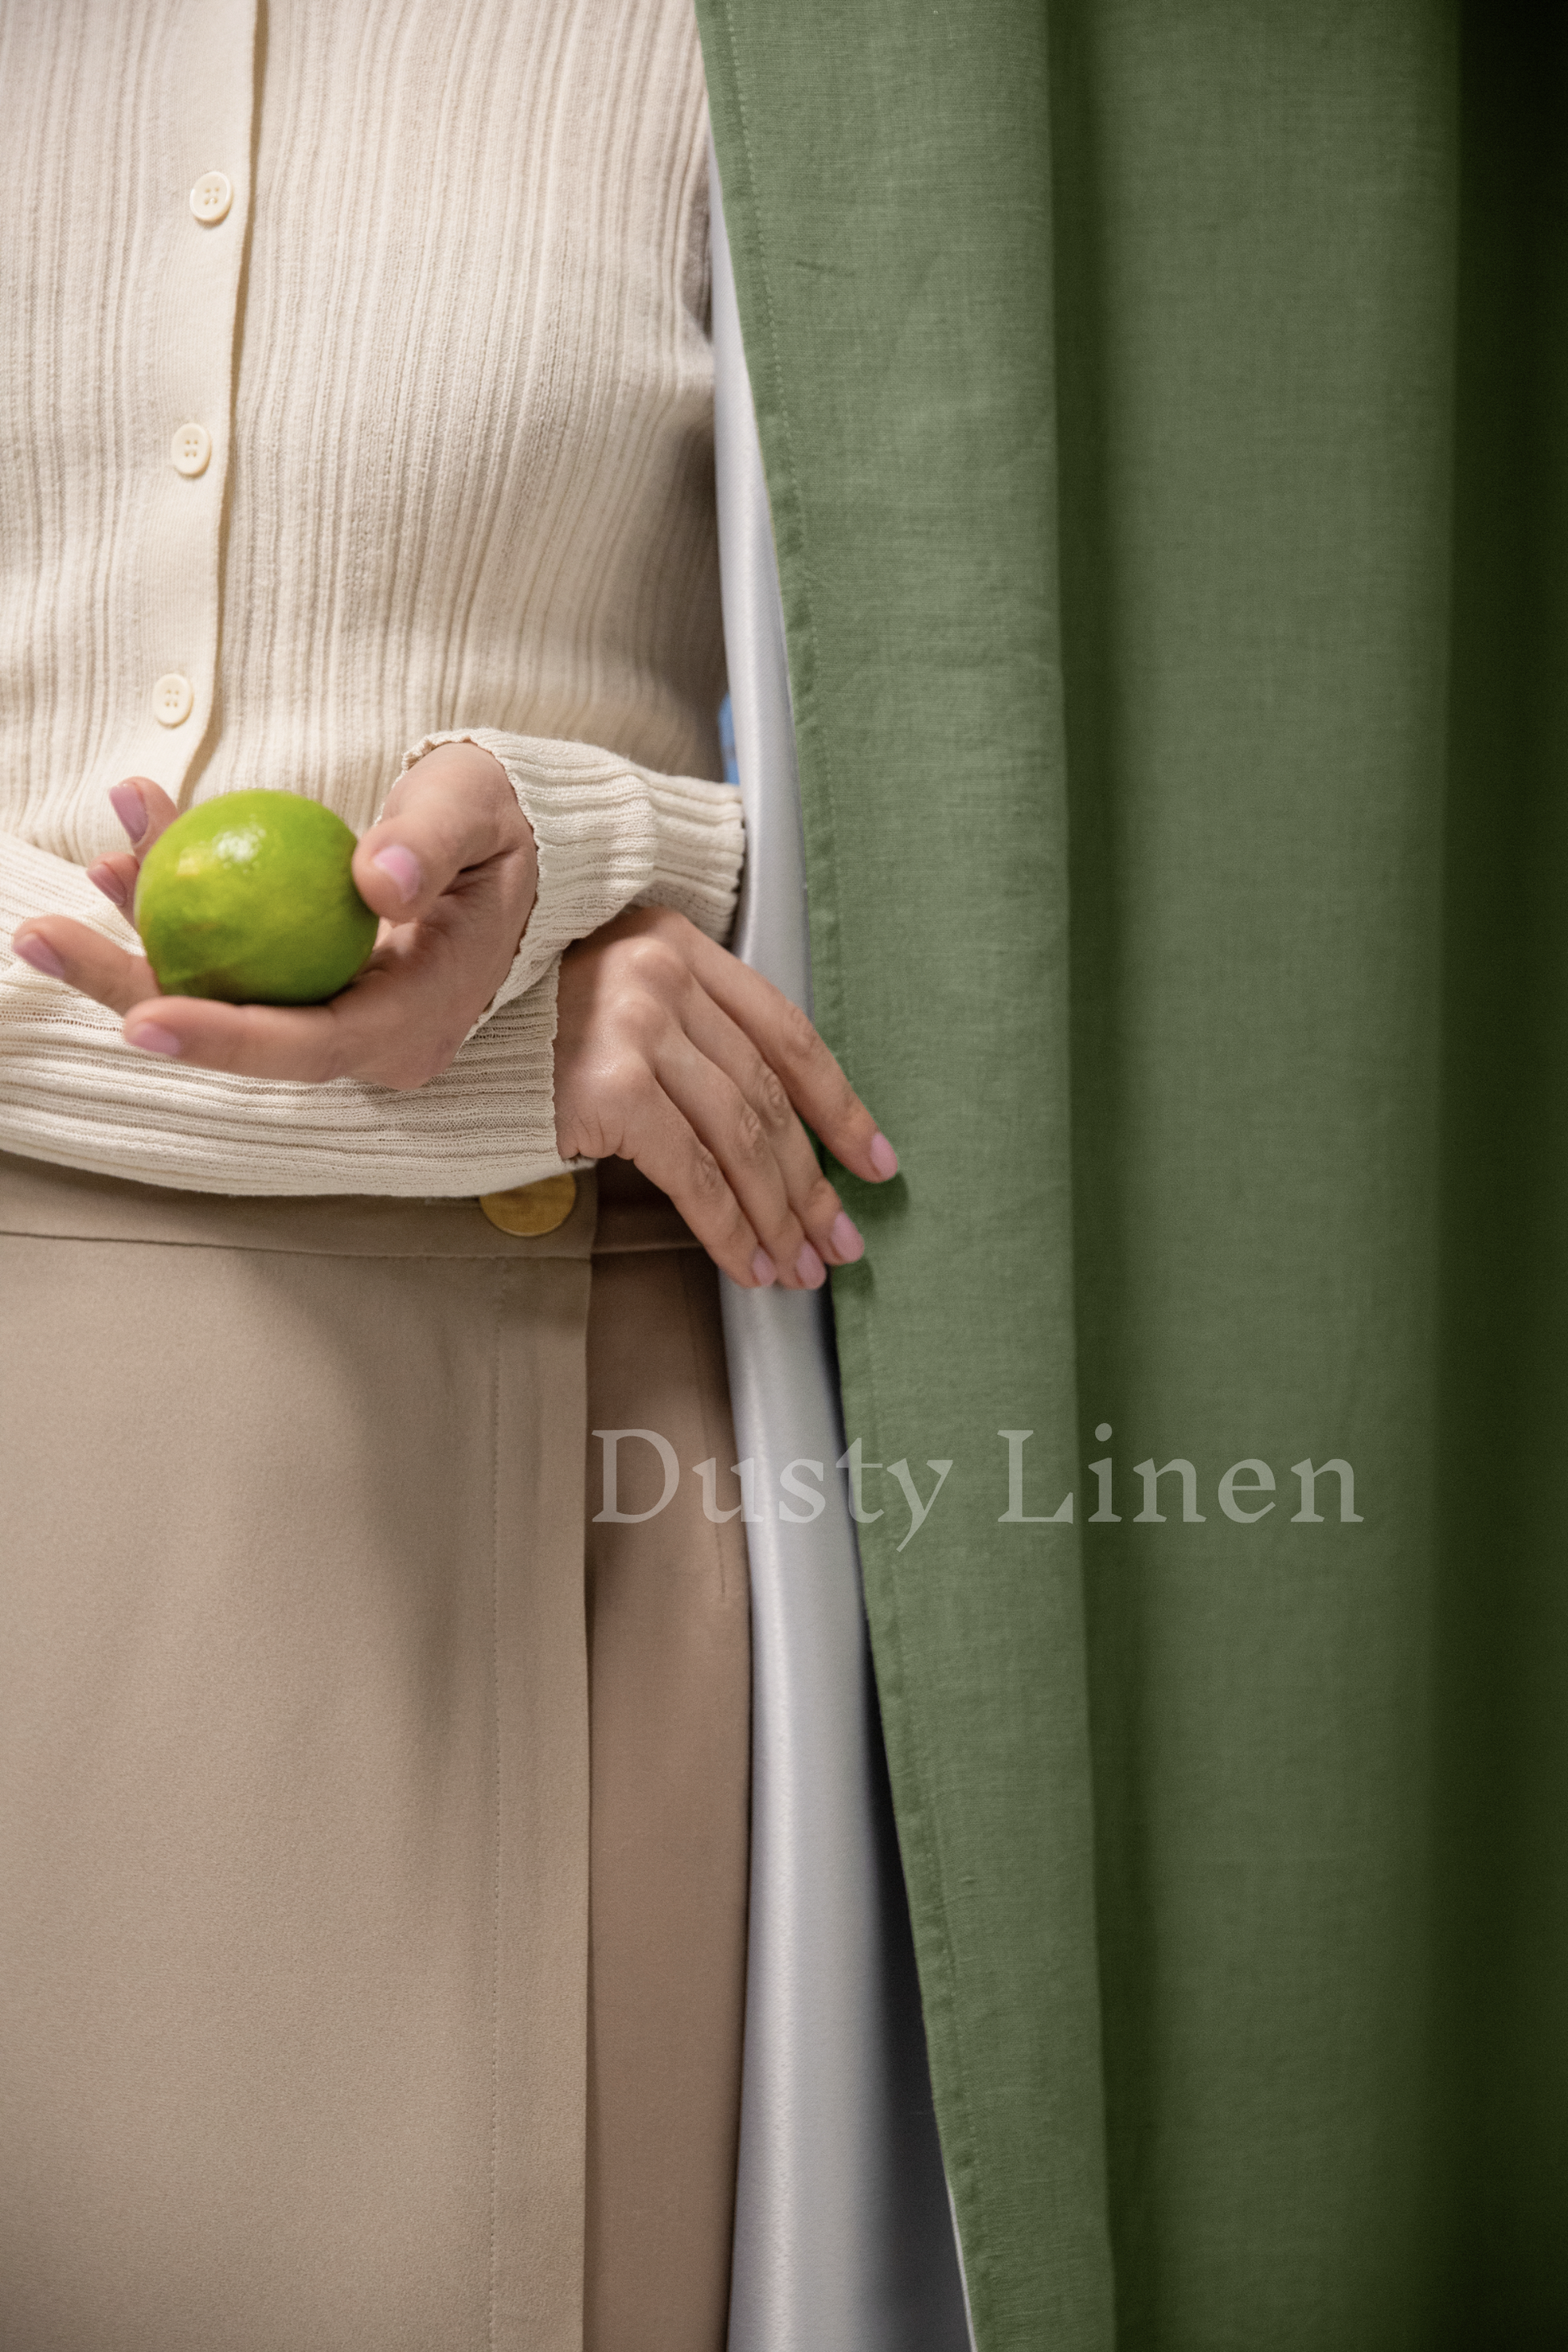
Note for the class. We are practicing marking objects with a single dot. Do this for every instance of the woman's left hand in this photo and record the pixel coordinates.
(450, 868)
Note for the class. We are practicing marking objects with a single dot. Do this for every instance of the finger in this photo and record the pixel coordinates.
(708, 1098)
(672, 1155)
(145, 811)
(788, 1041)
(144, 808)
(253, 1041)
(454, 809)
(826, 1223)
(81, 956)
(116, 877)
(397, 1023)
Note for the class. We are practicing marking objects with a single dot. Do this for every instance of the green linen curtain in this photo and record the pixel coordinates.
(1165, 411)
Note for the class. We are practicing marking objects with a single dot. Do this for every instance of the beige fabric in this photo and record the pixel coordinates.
(449, 342)
(669, 1650)
(293, 1776)
(295, 1831)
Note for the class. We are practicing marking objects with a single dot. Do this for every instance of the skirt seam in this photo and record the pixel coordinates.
(496, 1740)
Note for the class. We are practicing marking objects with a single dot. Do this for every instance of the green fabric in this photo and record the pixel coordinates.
(1165, 411)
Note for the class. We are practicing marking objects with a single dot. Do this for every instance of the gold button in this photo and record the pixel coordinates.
(532, 1208)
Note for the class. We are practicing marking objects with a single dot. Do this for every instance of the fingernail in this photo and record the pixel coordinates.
(764, 1269)
(810, 1268)
(884, 1159)
(151, 1039)
(400, 868)
(41, 956)
(846, 1237)
(105, 879)
(129, 808)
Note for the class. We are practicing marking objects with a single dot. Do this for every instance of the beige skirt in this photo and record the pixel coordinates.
(372, 1849)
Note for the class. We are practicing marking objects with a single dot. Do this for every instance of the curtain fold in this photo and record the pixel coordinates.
(1500, 2023)
(1162, 406)
(1256, 319)
(888, 194)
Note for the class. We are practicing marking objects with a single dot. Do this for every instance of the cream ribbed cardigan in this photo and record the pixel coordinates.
(449, 344)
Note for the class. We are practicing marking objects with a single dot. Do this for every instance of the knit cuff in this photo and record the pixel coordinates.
(36, 882)
(609, 835)
(72, 1091)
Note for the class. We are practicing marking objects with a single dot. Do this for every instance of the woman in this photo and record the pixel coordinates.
(358, 395)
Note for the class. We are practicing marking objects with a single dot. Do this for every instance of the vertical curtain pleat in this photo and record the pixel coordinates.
(887, 189)
(1255, 275)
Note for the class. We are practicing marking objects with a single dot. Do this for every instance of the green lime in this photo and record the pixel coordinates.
(249, 898)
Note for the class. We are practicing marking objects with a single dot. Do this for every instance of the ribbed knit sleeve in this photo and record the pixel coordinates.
(72, 1090)
(610, 834)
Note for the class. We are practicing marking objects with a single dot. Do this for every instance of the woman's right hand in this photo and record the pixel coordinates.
(672, 1054)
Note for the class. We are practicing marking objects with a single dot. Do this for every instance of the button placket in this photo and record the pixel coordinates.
(187, 394)
(190, 452)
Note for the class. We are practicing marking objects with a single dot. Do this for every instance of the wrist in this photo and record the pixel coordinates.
(470, 769)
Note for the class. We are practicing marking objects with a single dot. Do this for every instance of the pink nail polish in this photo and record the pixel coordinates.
(764, 1269)
(104, 878)
(41, 956)
(152, 1039)
(810, 1268)
(884, 1159)
(131, 809)
(400, 868)
(846, 1237)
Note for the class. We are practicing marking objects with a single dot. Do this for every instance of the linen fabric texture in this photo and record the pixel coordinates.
(448, 342)
(374, 1909)
(1162, 406)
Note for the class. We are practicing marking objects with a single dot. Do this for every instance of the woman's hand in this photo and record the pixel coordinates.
(450, 869)
(670, 1053)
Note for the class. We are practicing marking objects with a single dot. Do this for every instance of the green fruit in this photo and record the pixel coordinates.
(249, 898)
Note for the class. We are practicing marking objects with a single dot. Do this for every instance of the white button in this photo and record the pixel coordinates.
(171, 699)
(211, 197)
(192, 448)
